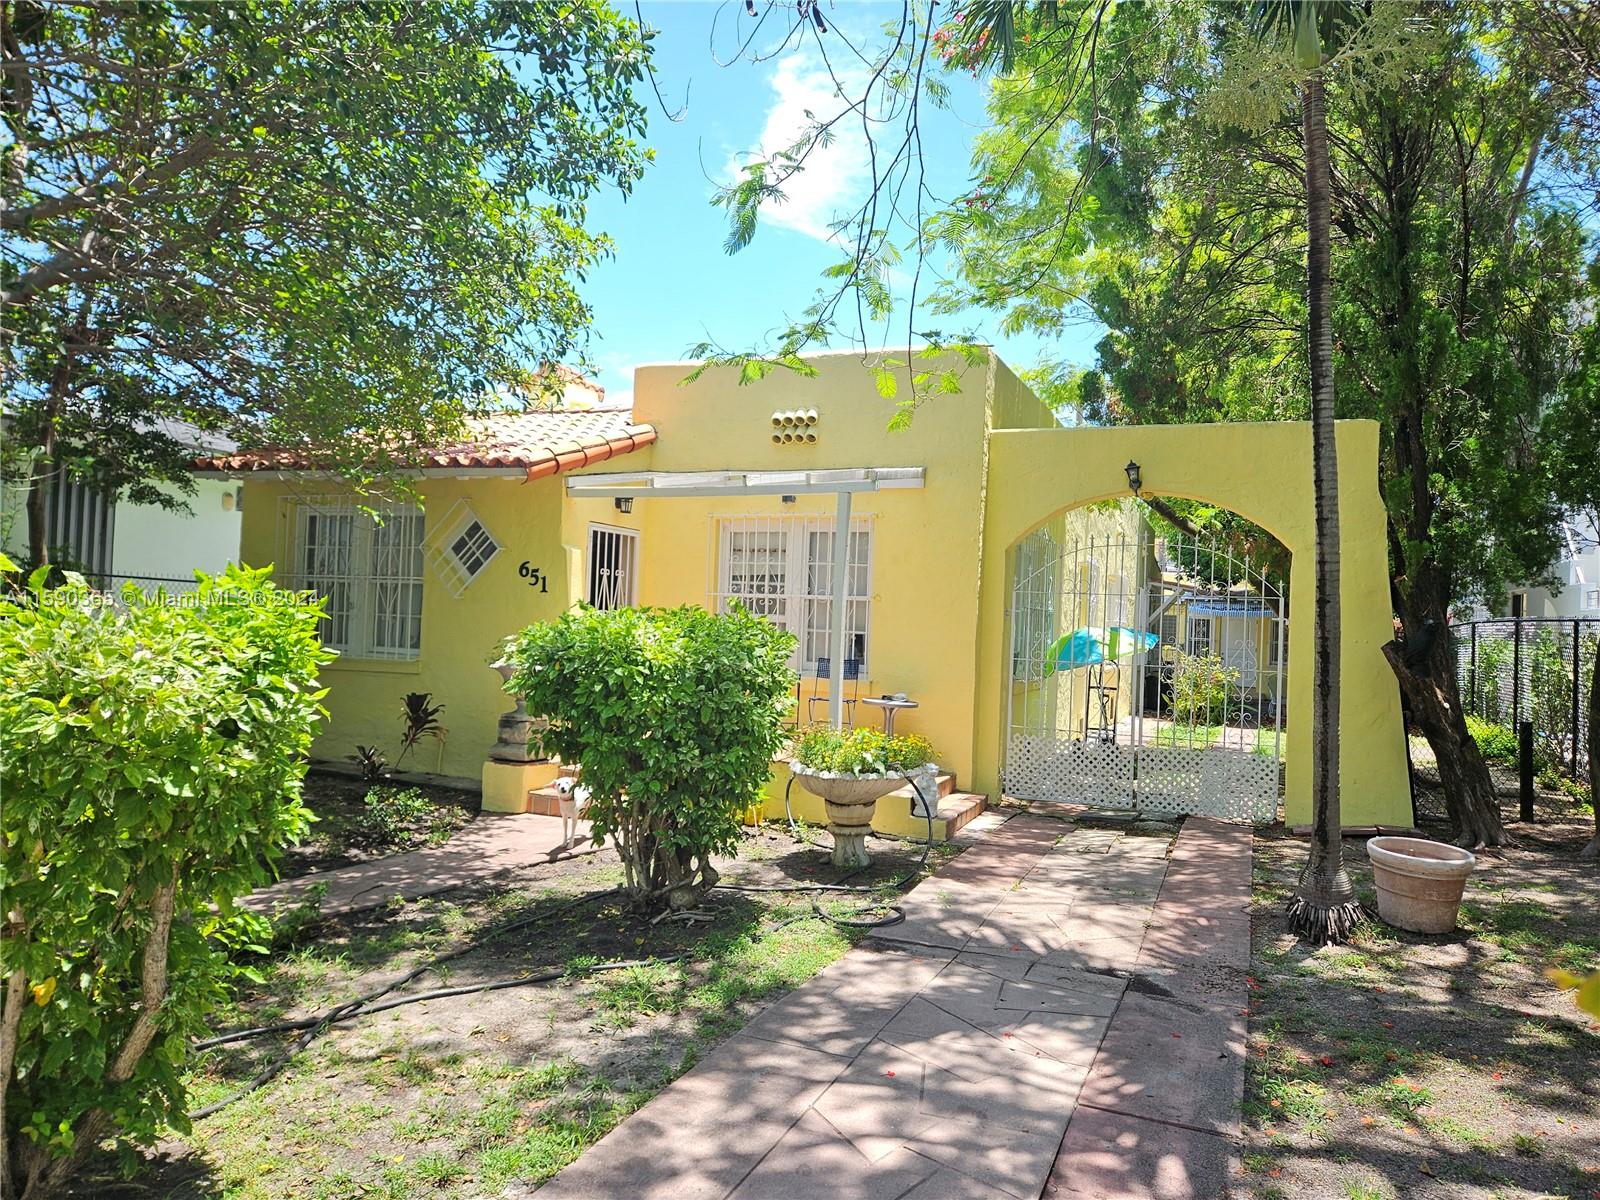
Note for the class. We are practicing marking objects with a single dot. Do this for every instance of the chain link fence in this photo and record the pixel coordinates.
(1536, 670)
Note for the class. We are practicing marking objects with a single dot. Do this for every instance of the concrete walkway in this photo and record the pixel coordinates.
(490, 844)
(1054, 1017)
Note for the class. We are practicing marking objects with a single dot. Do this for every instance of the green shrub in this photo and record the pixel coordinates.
(152, 760)
(400, 817)
(1495, 659)
(1201, 684)
(861, 751)
(675, 715)
(1497, 743)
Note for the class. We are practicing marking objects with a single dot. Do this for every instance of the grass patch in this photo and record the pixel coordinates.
(1398, 1096)
(457, 1098)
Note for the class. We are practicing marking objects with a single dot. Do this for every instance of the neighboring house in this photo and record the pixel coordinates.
(116, 541)
(711, 493)
(1576, 592)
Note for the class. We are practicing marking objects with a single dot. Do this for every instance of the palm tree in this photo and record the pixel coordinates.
(1324, 906)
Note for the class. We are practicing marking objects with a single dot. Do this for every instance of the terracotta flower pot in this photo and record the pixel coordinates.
(850, 801)
(1419, 882)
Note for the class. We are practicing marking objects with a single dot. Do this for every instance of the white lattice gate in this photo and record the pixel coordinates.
(1146, 673)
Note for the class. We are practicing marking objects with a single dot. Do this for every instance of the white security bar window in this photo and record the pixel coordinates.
(1200, 636)
(782, 568)
(369, 573)
(613, 567)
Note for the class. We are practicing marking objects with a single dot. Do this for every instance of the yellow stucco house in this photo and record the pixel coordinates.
(708, 492)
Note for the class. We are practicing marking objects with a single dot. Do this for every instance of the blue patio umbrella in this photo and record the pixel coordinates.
(1094, 644)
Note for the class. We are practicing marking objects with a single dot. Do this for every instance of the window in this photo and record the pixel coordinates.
(1200, 635)
(79, 522)
(368, 571)
(781, 568)
(472, 548)
(1168, 635)
(613, 566)
(1591, 598)
(1519, 604)
(459, 547)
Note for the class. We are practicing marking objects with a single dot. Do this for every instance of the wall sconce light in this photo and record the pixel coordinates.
(1135, 478)
(624, 504)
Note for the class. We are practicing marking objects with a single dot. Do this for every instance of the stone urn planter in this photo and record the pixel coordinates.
(517, 734)
(1419, 882)
(850, 801)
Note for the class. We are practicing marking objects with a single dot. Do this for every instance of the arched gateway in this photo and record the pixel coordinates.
(1263, 473)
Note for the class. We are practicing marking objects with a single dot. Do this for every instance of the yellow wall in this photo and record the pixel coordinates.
(1263, 473)
(925, 541)
(940, 579)
(533, 523)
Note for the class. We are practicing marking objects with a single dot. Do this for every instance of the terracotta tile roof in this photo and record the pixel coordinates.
(540, 443)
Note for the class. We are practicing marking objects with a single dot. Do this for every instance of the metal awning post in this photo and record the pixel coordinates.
(841, 597)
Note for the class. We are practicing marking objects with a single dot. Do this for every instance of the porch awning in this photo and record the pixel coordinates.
(840, 483)
(743, 483)
(1230, 607)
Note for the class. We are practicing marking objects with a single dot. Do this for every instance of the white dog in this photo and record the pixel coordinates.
(574, 798)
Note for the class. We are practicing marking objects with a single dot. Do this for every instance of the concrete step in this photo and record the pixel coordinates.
(955, 810)
(947, 786)
(959, 808)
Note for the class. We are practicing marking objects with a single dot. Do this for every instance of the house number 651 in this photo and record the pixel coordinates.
(534, 576)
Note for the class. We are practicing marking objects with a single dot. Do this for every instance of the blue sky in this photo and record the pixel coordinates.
(671, 285)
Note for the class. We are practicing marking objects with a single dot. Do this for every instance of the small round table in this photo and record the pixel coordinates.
(890, 707)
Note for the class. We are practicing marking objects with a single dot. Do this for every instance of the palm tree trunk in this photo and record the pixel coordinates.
(1324, 907)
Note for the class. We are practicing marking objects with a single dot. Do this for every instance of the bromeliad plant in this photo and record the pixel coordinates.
(152, 761)
(675, 715)
(861, 753)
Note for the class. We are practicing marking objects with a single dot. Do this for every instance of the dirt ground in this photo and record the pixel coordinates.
(467, 1096)
(1426, 1067)
(335, 839)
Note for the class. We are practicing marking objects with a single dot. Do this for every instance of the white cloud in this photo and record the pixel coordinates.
(835, 177)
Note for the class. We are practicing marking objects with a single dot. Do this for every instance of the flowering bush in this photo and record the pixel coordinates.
(1200, 687)
(860, 751)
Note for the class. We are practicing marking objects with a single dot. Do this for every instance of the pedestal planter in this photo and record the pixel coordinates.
(1419, 882)
(517, 735)
(850, 801)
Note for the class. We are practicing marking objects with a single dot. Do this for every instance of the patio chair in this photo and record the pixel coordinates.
(852, 676)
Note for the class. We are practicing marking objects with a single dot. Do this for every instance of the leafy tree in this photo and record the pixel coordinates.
(674, 716)
(303, 222)
(152, 759)
(1573, 428)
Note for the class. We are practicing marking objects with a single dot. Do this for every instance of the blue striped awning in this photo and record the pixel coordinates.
(1231, 606)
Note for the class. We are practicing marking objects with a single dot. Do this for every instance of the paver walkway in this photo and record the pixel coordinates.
(1054, 1017)
(489, 845)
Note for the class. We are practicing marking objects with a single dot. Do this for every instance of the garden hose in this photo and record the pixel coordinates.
(314, 1027)
(895, 914)
(311, 1028)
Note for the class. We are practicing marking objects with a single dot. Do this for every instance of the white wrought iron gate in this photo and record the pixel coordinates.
(1145, 673)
